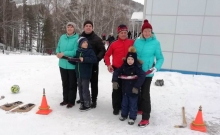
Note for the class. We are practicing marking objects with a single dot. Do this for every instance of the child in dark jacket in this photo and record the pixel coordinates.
(86, 57)
(132, 77)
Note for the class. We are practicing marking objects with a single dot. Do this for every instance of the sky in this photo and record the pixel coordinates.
(139, 1)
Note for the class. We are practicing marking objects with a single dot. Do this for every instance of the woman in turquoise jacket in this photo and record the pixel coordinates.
(67, 46)
(148, 50)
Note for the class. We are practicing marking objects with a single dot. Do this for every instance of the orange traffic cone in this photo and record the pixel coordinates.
(198, 123)
(44, 109)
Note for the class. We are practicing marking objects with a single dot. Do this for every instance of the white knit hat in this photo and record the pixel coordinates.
(71, 23)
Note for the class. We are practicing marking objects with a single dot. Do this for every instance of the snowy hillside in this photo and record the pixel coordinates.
(33, 73)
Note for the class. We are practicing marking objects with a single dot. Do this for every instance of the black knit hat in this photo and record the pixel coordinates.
(87, 22)
(132, 53)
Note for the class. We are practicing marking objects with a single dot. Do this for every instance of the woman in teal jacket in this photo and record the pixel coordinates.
(148, 48)
(67, 46)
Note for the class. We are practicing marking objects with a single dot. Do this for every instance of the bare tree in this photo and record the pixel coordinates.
(29, 23)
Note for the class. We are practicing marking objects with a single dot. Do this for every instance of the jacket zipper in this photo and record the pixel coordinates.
(124, 48)
(78, 63)
(143, 47)
(66, 49)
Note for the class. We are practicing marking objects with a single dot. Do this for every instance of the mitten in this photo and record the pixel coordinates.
(115, 85)
(135, 90)
(153, 69)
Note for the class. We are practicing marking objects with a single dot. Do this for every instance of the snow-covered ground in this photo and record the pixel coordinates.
(35, 72)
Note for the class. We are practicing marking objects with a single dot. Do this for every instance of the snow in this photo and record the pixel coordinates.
(35, 72)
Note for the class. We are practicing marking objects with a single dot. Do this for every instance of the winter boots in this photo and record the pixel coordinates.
(130, 121)
(122, 118)
(84, 106)
(69, 105)
(78, 102)
(63, 103)
(93, 105)
(143, 123)
(116, 112)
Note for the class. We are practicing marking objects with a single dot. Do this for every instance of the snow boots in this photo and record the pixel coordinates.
(143, 123)
(131, 122)
(63, 103)
(122, 118)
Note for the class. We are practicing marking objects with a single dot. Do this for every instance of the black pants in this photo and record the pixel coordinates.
(69, 82)
(144, 102)
(117, 97)
(94, 82)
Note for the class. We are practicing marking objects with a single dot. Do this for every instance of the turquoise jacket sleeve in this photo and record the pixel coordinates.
(159, 57)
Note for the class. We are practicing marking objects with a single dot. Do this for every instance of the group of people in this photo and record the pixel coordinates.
(134, 35)
(70, 46)
(133, 65)
(109, 39)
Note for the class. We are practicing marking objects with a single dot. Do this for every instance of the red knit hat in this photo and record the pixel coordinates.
(146, 25)
(122, 27)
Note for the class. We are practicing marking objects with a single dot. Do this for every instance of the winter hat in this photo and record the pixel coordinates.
(146, 25)
(72, 24)
(132, 53)
(122, 27)
(87, 22)
(81, 40)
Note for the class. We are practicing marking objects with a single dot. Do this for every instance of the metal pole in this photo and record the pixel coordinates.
(3, 24)
(137, 28)
(145, 9)
(13, 35)
(133, 29)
